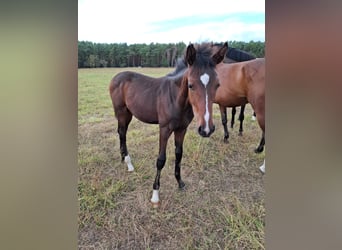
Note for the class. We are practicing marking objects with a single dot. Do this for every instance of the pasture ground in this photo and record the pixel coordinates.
(223, 206)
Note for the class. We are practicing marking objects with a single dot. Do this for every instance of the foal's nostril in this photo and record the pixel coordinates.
(203, 133)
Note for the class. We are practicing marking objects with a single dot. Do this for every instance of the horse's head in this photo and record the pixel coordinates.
(202, 82)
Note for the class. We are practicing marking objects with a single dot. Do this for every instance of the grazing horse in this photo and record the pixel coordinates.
(170, 101)
(242, 83)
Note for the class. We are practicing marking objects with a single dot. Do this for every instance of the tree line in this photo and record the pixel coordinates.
(95, 55)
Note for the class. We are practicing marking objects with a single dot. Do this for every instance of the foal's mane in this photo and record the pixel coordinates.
(180, 68)
(203, 59)
(204, 54)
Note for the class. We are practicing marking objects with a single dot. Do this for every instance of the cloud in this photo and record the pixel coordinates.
(156, 21)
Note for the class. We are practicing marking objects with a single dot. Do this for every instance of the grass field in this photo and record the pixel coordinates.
(222, 207)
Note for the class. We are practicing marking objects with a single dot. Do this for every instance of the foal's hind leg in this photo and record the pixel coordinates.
(241, 118)
(223, 111)
(124, 118)
(179, 138)
(164, 134)
(260, 148)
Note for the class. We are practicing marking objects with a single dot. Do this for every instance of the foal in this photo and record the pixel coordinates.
(170, 101)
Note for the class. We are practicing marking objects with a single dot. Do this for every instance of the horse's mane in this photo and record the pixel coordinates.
(203, 55)
(239, 55)
(203, 59)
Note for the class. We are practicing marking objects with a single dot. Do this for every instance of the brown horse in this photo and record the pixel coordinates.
(234, 55)
(170, 101)
(242, 83)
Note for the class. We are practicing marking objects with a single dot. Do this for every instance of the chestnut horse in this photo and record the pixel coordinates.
(233, 55)
(242, 83)
(170, 101)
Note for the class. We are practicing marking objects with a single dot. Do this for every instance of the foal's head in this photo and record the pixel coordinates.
(202, 82)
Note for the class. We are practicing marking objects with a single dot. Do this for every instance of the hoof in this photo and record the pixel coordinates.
(240, 133)
(181, 185)
(259, 150)
(155, 204)
(262, 169)
(225, 140)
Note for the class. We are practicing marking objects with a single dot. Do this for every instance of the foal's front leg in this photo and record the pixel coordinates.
(179, 138)
(164, 134)
(223, 111)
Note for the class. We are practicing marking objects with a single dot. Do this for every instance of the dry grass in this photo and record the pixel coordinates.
(223, 206)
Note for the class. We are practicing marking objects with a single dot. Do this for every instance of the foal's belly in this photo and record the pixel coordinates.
(146, 116)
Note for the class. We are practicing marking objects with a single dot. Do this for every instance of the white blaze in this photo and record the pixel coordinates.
(205, 80)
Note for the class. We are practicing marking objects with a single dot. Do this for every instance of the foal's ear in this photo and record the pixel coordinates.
(220, 54)
(190, 55)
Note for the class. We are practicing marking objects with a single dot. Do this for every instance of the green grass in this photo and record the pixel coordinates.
(221, 208)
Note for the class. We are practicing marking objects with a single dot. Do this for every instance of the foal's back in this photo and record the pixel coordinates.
(151, 100)
(136, 93)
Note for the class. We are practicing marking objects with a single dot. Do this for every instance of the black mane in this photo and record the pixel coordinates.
(204, 55)
(239, 55)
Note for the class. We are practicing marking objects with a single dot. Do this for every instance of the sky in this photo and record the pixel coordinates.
(173, 21)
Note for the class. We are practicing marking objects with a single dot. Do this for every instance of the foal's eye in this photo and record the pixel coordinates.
(217, 85)
(190, 86)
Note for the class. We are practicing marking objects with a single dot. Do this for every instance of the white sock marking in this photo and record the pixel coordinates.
(205, 80)
(155, 196)
(129, 163)
(263, 167)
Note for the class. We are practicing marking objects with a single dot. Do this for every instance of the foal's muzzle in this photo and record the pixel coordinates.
(204, 133)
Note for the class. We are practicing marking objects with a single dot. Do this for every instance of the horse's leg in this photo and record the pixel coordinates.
(164, 134)
(260, 148)
(124, 118)
(241, 118)
(223, 111)
(179, 138)
(233, 117)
